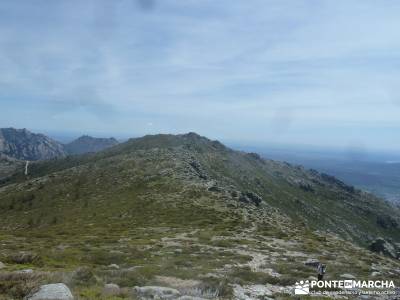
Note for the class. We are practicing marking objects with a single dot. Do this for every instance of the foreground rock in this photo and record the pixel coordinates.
(347, 276)
(250, 197)
(156, 292)
(114, 266)
(258, 291)
(111, 289)
(251, 292)
(382, 246)
(56, 291)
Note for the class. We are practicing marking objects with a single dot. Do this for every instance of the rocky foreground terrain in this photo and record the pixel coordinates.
(183, 217)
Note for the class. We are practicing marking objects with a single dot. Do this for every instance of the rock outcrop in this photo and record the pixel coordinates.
(25, 145)
(86, 144)
(22, 144)
(387, 222)
(250, 197)
(56, 291)
(111, 289)
(384, 247)
(156, 292)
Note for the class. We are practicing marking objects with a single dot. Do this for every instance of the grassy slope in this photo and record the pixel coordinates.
(119, 206)
(95, 182)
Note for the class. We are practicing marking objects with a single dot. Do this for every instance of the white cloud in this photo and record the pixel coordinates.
(229, 69)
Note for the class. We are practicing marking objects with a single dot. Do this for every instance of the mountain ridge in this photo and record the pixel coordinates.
(86, 143)
(308, 192)
(22, 144)
(169, 210)
(25, 145)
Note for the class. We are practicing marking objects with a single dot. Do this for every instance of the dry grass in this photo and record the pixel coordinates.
(16, 285)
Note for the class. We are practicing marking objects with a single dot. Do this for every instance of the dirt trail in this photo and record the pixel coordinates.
(26, 167)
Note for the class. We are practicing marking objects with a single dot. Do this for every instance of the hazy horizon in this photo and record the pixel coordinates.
(269, 149)
(311, 73)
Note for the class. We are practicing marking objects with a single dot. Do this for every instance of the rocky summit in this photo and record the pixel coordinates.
(85, 144)
(25, 145)
(22, 144)
(185, 217)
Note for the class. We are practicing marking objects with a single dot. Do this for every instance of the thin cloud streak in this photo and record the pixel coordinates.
(260, 71)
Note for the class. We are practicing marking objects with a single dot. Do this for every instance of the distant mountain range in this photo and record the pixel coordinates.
(86, 144)
(22, 144)
(25, 145)
(375, 172)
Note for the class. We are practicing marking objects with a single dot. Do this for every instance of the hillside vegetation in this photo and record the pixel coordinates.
(188, 213)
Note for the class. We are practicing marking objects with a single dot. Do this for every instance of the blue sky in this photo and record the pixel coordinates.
(298, 72)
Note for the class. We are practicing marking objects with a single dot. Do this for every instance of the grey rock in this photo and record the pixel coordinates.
(56, 291)
(384, 247)
(114, 266)
(254, 198)
(250, 197)
(333, 180)
(111, 289)
(347, 276)
(26, 271)
(375, 267)
(2, 266)
(386, 222)
(306, 187)
(303, 184)
(25, 145)
(198, 169)
(214, 188)
(234, 194)
(156, 292)
(24, 257)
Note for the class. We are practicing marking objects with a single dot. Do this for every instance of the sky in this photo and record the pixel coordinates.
(305, 72)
